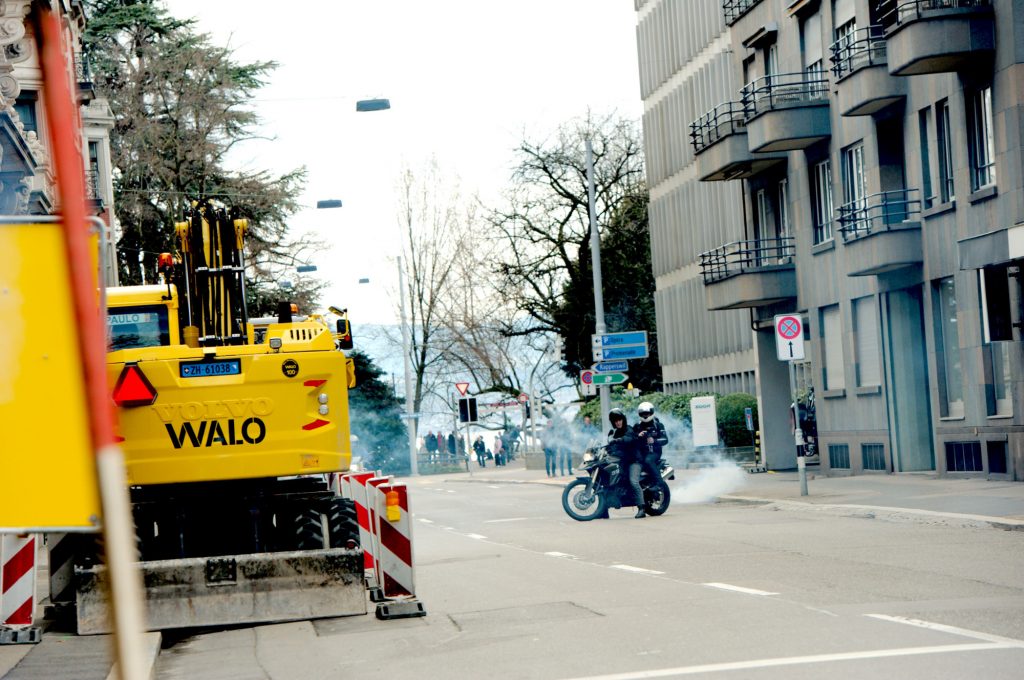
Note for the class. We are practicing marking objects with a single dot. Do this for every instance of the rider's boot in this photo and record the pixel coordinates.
(640, 514)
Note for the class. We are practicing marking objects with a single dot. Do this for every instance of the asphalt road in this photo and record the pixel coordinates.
(515, 589)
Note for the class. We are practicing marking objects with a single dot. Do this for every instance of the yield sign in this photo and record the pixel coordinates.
(462, 387)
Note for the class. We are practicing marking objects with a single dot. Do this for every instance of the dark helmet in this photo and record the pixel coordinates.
(616, 414)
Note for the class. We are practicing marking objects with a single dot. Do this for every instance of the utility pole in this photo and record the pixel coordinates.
(595, 258)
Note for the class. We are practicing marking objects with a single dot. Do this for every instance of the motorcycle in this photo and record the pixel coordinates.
(602, 485)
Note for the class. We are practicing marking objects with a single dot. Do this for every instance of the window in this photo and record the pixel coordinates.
(945, 146)
(92, 178)
(764, 215)
(832, 341)
(996, 458)
(963, 457)
(839, 456)
(947, 342)
(865, 328)
(845, 36)
(821, 192)
(924, 124)
(873, 456)
(980, 143)
(784, 227)
(771, 61)
(25, 105)
(142, 326)
(855, 184)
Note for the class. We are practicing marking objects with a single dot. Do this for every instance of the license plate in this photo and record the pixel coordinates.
(209, 369)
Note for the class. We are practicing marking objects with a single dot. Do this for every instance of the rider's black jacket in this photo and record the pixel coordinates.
(622, 443)
(655, 429)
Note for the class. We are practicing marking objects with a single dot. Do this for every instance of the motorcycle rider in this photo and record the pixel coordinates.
(622, 444)
(651, 438)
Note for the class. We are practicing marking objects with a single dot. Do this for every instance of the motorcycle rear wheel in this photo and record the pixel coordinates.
(656, 498)
(580, 504)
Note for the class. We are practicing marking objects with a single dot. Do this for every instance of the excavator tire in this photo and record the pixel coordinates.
(343, 526)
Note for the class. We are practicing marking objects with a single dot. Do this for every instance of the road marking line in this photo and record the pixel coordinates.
(493, 486)
(510, 519)
(977, 635)
(636, 570)
(560, 554)
(797, 660)
(476, 536)
(426, 521)
(738, 589)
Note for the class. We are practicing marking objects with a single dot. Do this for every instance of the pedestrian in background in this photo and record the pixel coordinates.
(430, 444)
(451, 445)
(499, 450)
(550, 444)
(481, 451)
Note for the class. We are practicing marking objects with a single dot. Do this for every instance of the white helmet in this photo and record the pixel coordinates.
(645, 411)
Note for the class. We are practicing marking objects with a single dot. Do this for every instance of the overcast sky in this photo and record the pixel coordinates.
(466, 80)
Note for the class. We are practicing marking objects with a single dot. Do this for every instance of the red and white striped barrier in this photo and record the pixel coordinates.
(354, 487)
(17, 580)
(395, 558)
(372, 487)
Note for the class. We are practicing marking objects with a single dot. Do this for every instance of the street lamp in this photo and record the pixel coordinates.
(406, 350)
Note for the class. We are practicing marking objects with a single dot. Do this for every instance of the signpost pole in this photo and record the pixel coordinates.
(798, 435)
(595, 258)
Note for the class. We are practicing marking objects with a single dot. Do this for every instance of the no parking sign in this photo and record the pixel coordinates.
(789, 337)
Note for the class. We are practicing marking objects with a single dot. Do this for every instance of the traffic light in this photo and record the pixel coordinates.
(558, 350)
(467, 410)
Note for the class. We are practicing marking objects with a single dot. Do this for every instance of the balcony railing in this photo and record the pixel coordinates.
(877, 212)
(744, 256)
(784, 90)
(725, 119)
(92, 185)
(864, 47)
(734, 9)
(893, 13)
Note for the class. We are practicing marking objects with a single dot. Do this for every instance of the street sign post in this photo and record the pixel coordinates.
(748, 415)
(610, 366)
(609, 378)
(630, 345)
(789, 337)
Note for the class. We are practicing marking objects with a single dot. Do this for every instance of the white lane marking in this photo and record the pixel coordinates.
(476, 536)
(509, 519)
(977, 635)
(636, 570)
(560, 554)
(796, 661)
(426, 521)
(493, 486)
(738, 589)
(449, 491)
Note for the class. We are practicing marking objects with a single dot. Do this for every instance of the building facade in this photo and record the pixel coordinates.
(26, 175)
(876, 149)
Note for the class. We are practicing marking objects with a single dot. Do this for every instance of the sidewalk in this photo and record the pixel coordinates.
(922, 497)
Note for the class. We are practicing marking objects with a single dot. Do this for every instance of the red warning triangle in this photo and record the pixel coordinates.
(462, 387)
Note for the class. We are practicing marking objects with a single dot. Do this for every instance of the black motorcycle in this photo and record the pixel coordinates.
(602, 485)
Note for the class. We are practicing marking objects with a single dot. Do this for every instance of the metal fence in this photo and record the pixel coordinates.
(784, 90)
(896, 12)
(725, 119)
(734, 9)
(864, 47)
(741, 256)
(877, 212)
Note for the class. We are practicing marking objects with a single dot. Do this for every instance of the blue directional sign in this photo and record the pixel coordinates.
(630, 352)
(610, 366)
(619, 339)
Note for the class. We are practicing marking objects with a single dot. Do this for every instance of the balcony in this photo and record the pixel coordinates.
(787, 112)
(937, 36)
(861, 73)
(749, 274)
(719, 139)
(734, 9)
(882, 232)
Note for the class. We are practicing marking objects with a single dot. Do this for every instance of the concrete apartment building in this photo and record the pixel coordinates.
(858, 163)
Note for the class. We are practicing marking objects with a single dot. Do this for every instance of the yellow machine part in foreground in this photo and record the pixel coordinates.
(264, 422)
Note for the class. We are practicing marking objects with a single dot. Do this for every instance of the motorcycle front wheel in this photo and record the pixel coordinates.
(581, 503)
(657, 498)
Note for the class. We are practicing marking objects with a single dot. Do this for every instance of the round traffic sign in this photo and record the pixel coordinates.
(587, 377)
(789, 327)
(523, 398)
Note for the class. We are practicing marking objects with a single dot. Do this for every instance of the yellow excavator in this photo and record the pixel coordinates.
(227, 440)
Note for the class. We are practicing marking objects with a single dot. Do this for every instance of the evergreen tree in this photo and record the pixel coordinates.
(375, 419)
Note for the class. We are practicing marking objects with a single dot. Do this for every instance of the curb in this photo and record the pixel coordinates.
(884, 513)
(507, 481)
(151, 650)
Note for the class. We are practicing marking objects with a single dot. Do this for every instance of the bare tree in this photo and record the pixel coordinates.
(544, 228)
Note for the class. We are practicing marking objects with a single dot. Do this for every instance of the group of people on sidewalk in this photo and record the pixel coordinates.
(498, 454)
